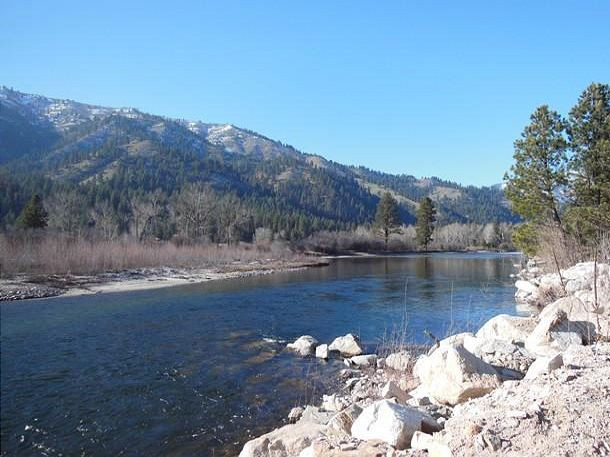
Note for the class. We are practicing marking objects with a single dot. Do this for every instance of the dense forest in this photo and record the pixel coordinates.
(120, 171)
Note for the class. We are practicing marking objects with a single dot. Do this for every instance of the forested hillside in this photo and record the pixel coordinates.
(121, 170)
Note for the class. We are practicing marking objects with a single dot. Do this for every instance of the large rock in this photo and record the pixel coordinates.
(287, 441)
(554, 333)
(392, 390)
(347, 346)
(341, 423)
(544, 365)
(304, 345)
(503, 327)
(315, 415)
(580, 317)
(527, 292)
(399, 361)
(452, 375)
(388, 421)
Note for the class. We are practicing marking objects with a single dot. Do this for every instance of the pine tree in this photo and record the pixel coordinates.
(426, 216)
(33, 215)
(540, 168)
(589, 134)
(387, 219)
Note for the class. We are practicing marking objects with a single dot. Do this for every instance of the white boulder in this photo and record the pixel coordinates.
(553, 333)
(503, 327)
(304, 345)
(347, 346)
(399, 361)
(392, 390)
(322, 351)
(453, 375)
(341, 423)
(287, 441)
(544, 365)
(388, 421)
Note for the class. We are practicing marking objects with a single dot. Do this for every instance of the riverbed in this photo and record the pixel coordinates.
(199, 369)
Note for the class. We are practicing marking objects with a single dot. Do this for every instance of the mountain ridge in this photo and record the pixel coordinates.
(77, 144)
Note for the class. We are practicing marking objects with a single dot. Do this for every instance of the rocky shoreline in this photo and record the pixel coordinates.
(534, 386)
(27, 286)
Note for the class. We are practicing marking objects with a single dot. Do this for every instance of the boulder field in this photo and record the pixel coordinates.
(519, 386)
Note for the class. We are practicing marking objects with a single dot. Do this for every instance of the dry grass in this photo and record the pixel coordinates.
(55, 254)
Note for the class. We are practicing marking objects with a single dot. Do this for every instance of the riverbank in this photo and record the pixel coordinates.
(21, 287)
(534, 385)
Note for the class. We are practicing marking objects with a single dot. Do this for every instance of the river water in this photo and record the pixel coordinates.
(198, 369)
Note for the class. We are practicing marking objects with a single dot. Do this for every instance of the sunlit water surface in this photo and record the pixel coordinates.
(194, 370)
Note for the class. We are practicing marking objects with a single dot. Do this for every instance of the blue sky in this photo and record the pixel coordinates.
(424, 88)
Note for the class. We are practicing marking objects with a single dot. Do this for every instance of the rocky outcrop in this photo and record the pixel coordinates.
(304, 345)
(347, 346)
(453, 375)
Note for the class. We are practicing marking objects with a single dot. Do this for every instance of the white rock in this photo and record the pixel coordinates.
(389, 422)
(322, 351)
(287, 441)
(420, 397)
(392, 390)
(553, 333)
(347, 345)
(369, 360)
(341, 423)
(544, 365)
(435, 446)
(334, 403)
(580, 317)
(304, 345)
(455, 340)
(526, 286)
(454, 375)
(503, 327)
(295, 413)
(399, 361)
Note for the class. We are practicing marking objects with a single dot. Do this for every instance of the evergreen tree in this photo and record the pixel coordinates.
(589, 134)
(33, 215)
(539, 172)
(387, 219)
(426, 216)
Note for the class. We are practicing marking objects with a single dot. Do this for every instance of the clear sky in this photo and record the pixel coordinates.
(418, 87)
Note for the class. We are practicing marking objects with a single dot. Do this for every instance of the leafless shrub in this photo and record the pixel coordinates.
(62, 254)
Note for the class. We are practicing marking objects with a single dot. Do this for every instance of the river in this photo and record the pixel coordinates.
(198, 369)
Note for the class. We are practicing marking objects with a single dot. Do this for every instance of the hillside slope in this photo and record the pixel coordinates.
(113, 154)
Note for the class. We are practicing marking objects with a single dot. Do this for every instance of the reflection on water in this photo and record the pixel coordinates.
(196, 370)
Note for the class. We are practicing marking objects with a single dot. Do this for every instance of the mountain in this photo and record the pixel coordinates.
(115, 155)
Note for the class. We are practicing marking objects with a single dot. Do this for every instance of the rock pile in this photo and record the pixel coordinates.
(520, 386)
